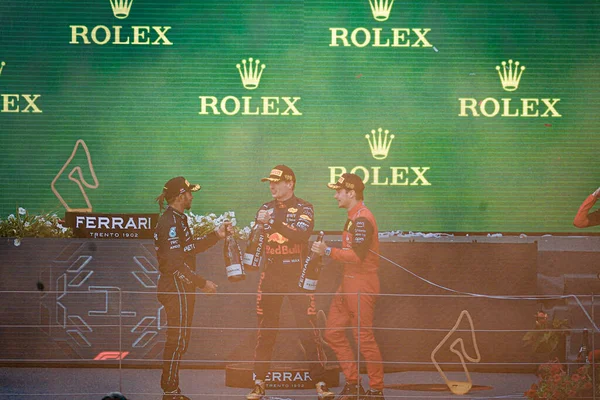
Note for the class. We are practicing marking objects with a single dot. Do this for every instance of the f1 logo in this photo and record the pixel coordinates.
(111, 355)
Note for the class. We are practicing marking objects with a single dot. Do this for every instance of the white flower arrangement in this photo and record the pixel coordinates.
(202, 225)
(24, 224)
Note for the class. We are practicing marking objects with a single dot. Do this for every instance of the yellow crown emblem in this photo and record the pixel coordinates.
(380, 143)
(510, 76)
(381, 9)
(250, 73)
(2, 64)
(121, 8)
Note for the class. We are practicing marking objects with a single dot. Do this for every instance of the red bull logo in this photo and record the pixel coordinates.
(277, 238)
(283, 249)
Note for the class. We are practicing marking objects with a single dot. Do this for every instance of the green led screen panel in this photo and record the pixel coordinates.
(470, 116)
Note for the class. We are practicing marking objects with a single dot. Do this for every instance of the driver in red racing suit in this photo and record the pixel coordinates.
(288, 223)
(358, 291)
(584, 217)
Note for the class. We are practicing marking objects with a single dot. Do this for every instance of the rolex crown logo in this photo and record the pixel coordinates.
(510, 76)
(380, 143)
(2, 64)
(121, 8)
(250, 73)
(381, 9)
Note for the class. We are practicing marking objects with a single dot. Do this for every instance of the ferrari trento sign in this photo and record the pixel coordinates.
(112, 226)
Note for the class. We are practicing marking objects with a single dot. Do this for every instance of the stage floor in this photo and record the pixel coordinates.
(143, 384)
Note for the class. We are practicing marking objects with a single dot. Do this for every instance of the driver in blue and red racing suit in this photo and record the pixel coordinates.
(176, 251)
(288, 223)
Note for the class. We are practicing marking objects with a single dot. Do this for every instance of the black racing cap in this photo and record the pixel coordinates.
(114, 396)
(349, 182)
(279, 173)
(178, 185)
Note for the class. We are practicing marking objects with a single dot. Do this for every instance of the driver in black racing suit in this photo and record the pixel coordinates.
(176, 251)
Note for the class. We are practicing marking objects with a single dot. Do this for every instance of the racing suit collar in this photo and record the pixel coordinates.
(360, 205)
(287, 203)
(175, 211)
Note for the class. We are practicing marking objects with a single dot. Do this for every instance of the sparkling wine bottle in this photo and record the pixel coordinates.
(233, 259)
(311, 269)
(254, 249)
(582, 357)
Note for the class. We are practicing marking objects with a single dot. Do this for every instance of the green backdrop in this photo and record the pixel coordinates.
(138, 107)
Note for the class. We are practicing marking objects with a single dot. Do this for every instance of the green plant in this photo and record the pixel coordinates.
(547, 335)
(556, 384)
(22, 224)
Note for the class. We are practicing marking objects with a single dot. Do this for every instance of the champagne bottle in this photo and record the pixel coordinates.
(309, 277)
(233, 259)
(254, 249)
(582, 357)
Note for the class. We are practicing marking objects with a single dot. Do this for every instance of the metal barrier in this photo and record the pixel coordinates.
(96, 310)
(107, 327)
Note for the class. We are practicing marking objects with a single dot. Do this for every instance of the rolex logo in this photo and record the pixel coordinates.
(381, 9)
(380, 143)
(510, 76)
(382, 174)
(390, 37)
(530, 107)
(250, 73)
(138, 35)
(121, 8)
(18, 102)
